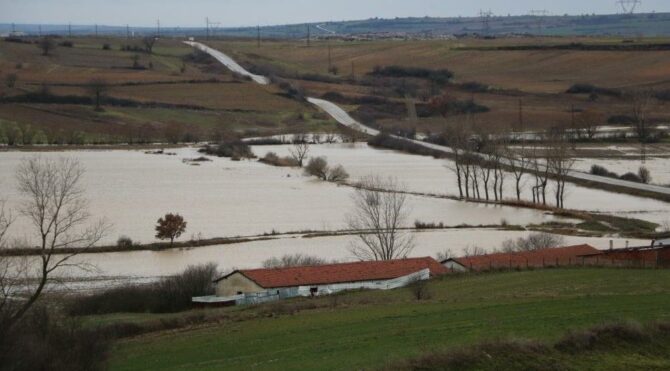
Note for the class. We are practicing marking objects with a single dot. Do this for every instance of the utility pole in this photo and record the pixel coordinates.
(96, 30)
(39, 30)
(520, 115)
(330, 60)
(158, 27)
(309, 36)
(206, 28)
(69, 29)
(258, 36)
(486, 20)
(13, 29)
(540, 15)
(353, 74)
(128, 31)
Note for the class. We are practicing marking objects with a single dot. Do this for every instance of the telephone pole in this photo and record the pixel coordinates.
(69, 29)
(128, 31)
(485, 17)
(309, 36)
(330, 60)
(158, 27)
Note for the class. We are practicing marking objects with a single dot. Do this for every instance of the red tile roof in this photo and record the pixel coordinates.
(537, 258)
(341, 273)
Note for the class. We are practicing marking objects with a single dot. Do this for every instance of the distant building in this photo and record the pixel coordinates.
(550, 257)
(252, 286)
(656, 255)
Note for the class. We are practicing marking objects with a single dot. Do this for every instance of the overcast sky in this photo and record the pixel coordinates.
(233, 13)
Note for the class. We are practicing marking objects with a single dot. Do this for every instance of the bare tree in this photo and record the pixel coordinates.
(560, 163)
(587, 123)
(519, 164)
(534, 241)
(294, 260)
(97, 88)
(640, 105)
(149, 43)
(380, 212)
(299, 151)
(46, 44)
(57, 210)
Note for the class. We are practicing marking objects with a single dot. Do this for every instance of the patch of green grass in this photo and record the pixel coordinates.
(366, 329)
(595, 226)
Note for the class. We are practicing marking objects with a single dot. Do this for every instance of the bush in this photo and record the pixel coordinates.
(106, 46)
(66, 44)
(602, 171)
(43, 341)
(592, 89)
(440, 77)
(318, 167)
(644, 174)
(170, 294)
(273, 159)
(295, 260)
(419, 289)
(124, 242)
(631, 177)
(423, 225)
(233, 149)
(338, 174)
(11, 79)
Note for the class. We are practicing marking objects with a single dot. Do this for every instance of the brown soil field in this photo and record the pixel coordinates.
(229, 103)
(541, 71)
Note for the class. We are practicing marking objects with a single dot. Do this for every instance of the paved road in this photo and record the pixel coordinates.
(229, 62)
(344, 118)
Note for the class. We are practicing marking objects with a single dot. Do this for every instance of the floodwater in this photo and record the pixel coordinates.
(252, 254)
(132, 190)
(658, 167)
(427, 175)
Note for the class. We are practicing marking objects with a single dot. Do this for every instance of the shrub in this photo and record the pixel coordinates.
(106, 46)
(535, 241)
(338, 174)
(234, 149)
(43, 341)
(169, 295)
(602, 171)
(273, 159)
(644, 174)
(318, 167)
(11, 79)
(295, 260)
(441, 76)
(424, 225)
(419, 289)
(592, 89)
(124, 242)
(631, 177)
(66, 44)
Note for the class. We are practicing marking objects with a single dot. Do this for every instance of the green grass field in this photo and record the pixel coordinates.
(369, 329)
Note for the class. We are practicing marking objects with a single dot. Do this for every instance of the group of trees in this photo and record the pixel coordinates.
(482, 162)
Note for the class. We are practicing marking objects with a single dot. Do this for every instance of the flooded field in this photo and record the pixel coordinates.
(132, 190)
(659, 167)
(252, 254)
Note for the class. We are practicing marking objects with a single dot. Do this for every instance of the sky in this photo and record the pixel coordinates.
(234, 13)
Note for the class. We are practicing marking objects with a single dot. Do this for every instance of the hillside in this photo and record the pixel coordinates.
(368, 329)
(171, 94)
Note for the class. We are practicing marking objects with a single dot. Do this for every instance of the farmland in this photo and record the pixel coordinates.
(166, 92)
(368, 329)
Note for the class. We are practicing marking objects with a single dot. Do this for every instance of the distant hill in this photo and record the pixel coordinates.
(646, 24)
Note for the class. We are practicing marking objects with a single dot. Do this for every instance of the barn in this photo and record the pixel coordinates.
(549, 257)
(250, 286)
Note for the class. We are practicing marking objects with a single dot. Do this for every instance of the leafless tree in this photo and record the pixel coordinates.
(541, 172)
(149, 43)
(299, 151)
(587, 123)
(97, 88)
(46, 44)
(534, 241)
(519, 164)
(56, 208)
(640, 105)
(380, 212)
(294, 260)
(473, 250)
(559, 162)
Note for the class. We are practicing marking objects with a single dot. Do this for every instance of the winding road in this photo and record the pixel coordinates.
(342, 117)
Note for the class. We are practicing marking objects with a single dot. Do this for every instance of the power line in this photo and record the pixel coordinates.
(540, 16)
(628, 6)
(485, 17)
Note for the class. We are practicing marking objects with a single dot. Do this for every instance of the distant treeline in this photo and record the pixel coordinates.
(575, 46)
